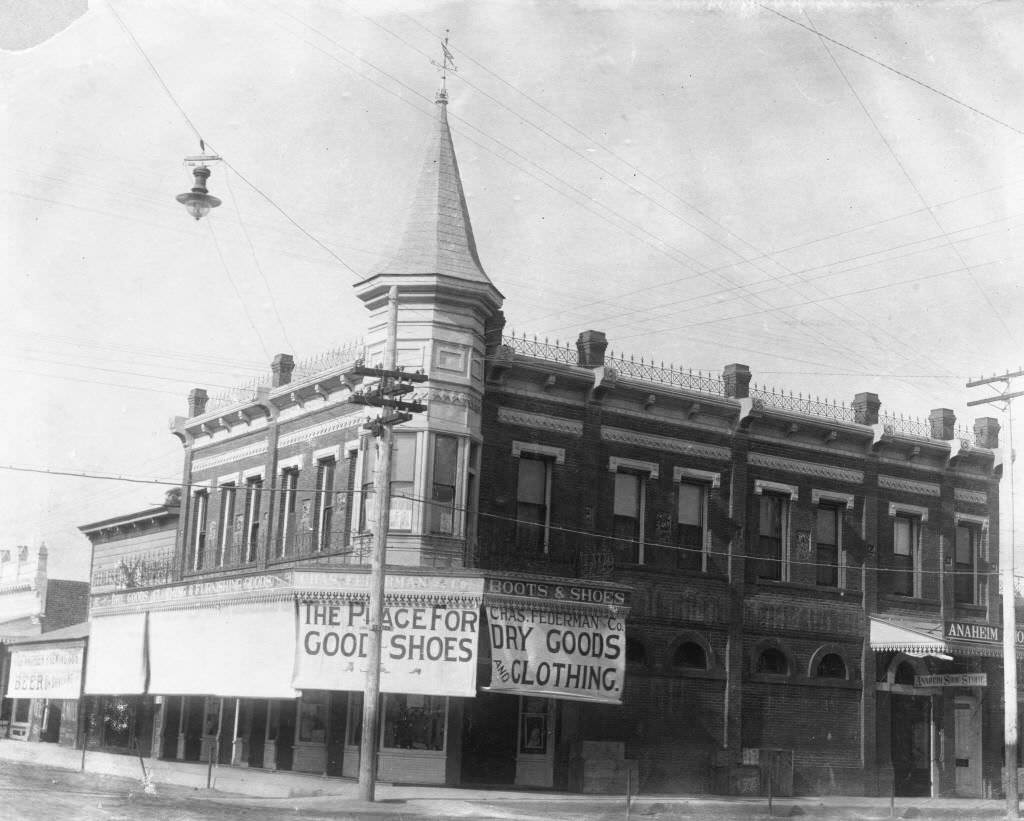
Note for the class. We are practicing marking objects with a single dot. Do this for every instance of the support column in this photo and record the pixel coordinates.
(180, 752)
(156, 745)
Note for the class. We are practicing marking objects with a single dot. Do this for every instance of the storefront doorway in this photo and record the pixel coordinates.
(911, 744)
(967, 741)
(489, 727)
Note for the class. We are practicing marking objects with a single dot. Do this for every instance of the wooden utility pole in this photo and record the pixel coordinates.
(386, 394)
(1006, 568)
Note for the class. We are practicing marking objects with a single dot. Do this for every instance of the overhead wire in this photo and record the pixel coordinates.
(353, 492)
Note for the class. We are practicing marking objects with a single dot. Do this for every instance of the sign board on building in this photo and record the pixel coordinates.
(52, 672)
(952, 680)
(428, 644)
(974, 632)
(562, 652)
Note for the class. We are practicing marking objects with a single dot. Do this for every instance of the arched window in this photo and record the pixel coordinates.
(831, 666)
(773, 661)
(904, 673)
(690, 656)
(636, 653)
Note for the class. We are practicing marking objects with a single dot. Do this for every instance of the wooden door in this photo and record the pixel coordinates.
(967, 745)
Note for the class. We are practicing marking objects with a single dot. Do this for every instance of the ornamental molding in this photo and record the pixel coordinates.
(664, 443)
(816, 469)
(972, 497)
(236, 455)
(452, 398)
(527, 390)
(908, 485)
(307, 434)
(540, 420)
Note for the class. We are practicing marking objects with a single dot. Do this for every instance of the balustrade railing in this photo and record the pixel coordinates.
(798, 403)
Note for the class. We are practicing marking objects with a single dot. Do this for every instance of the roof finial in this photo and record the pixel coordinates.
(447, 64)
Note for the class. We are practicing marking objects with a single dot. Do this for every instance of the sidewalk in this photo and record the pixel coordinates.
(292, 793)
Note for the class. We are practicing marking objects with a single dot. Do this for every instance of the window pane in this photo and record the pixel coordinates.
(902, 532)
(770, 520)
(964, 546)
(826, 528)
(403, 458)
(627, 494)
(414, 722)
(532, 481)
(446, 449)
(691, 504)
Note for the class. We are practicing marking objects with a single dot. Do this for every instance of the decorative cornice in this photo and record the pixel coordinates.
(794, 444)
(509, 416)
(664, 443)
(972, 497)
(452, 398)
(907, 485)
(816, 469)
(337, 423)
(236, 455)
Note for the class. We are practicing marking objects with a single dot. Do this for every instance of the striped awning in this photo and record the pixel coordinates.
(915, 638)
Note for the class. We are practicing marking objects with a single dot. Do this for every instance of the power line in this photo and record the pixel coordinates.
(459, 508)
(813, 30)
(234, 287)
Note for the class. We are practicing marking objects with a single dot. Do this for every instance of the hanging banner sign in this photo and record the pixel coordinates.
(428, 645)
(561, 653)
(974, 632)
(46, 673)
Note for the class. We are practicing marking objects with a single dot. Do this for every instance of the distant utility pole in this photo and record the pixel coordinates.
(1006, 564)
(386, 394)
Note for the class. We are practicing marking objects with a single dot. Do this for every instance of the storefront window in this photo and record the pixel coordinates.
(354, 724)
(533, 731)
(313, 718)
(21, 706)
(414, 722)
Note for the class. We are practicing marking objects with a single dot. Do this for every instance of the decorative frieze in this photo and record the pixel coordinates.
(294, 437)
(971, 497)
(816, 469)
(509, 416)
(236, 455)
(907, 485)
(449, 397)
(810, 617)
(664, 443)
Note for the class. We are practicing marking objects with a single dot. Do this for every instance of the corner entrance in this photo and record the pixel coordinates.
(489, 725)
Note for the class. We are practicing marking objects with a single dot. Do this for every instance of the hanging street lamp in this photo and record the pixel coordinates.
(199, 201)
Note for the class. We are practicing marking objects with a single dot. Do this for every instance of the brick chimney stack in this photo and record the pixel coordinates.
(943, 422)
(282, 368)
(590, 346)
(986, 432)
(737, 381)
(865, 408)
(197, 399)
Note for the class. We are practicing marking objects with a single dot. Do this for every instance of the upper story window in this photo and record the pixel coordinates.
(772, 546)
(534, 483)
(251, 526)
(323, 504)
(443, 475)
(366, 497)
(968, 584)
(200, 501)
(403, 467)
(773, 662)
(226, 527)
(689, 655)
(905, 569)
(629, 507)
(827, 535)
(286, 525)
(831, 666)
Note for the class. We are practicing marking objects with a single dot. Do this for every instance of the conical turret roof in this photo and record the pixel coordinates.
(438, 236)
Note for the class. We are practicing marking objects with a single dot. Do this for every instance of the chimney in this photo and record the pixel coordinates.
(986, 433)
(494, 327)
(865, 408)
(737, 381)
(197, 399)
(590, 347)
(942, 420)
(282, 368)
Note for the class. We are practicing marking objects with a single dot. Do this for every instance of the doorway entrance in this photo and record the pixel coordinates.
(911, 744)
(967, 744)
(489, 724)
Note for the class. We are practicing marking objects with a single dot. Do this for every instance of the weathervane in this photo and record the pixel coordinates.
(447, 64)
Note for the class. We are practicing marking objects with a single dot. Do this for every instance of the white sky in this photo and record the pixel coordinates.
(705, 183)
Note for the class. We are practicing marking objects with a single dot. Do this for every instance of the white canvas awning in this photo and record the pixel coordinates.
(239, 650)
(116, 661)
(915, 638)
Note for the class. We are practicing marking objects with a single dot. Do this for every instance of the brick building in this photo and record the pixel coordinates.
(35, 607)
(598, 569)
